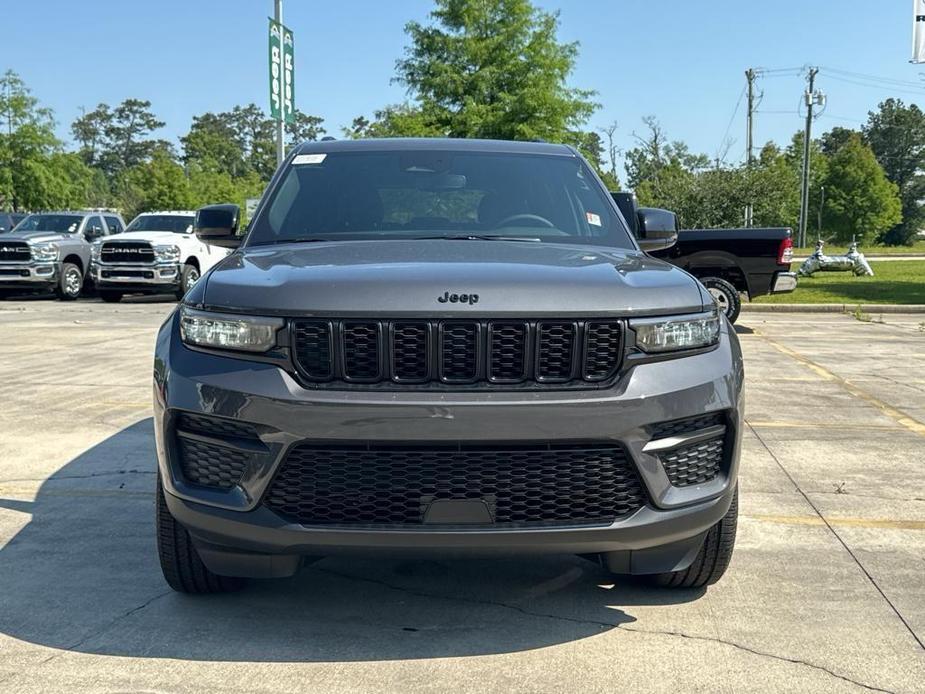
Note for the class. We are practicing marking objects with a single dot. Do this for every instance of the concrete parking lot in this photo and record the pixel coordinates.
(826, 591)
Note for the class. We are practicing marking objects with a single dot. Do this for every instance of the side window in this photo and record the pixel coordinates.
(115, 226)
(93, 228)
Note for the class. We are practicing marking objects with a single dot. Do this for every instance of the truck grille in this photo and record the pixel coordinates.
(394, 485)
(457, 352)
(127, 252)
(14, 252)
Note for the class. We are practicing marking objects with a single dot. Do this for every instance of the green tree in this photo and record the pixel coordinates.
(116, 139)
(158, 184)
(27, 142)
(242, 141)
(487, 68)
(860, 202)
(896, 133)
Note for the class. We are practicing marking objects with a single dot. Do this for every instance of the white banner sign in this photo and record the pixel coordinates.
(918, 31)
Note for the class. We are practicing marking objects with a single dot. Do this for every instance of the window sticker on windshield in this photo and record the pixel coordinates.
(594, 219)
(308, 159)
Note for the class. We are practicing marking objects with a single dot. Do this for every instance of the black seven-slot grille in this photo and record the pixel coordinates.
(395, 484)
(487, 352)
(127, 252)
(14, 252)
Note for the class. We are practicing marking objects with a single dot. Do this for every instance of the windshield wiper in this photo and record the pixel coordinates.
(478, 237)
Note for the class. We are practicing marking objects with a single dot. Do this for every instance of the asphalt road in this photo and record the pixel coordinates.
(826, 591)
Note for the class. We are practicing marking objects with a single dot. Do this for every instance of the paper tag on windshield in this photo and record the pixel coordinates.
(308, 159)
(594, 219)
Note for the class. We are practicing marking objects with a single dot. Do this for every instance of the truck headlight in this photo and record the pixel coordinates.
(45, 252)
(654, 335)
(166, 254)
(228, 331)
(95, 250)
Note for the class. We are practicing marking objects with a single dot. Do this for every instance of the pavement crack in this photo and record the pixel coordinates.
(753, 651)
(469, 601)
(841, 541)
(55, 478)
(598, 623)
(116, 620)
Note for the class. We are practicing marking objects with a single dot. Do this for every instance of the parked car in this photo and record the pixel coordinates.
(730, 262)
(51, 251)
(10, 219)
(444, 347)
(158, 253)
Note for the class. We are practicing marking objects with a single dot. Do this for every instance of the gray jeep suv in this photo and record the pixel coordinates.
(453, 347)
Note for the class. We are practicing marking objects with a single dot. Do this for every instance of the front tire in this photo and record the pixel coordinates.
(70, 283)
(713, 558)
(183, 569)
(726, 296)
(188, 277)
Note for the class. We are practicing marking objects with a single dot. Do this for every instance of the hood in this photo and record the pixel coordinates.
(369, 278)
(151, 236)
(37, 236)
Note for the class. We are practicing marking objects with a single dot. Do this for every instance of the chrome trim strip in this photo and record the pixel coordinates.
(659, 445)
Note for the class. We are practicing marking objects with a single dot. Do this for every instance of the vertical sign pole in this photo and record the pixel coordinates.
(281, 118)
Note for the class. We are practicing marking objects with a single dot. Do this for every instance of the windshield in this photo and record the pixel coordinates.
(179, 224)
(416, 194)
(60, 223)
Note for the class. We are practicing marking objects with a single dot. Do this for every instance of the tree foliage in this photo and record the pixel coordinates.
(860, 202)
(116, 139)
(896, 134)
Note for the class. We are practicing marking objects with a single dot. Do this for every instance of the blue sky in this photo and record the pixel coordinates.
(682, 62)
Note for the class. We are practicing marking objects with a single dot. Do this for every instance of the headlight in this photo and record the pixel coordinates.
(95, 250)
(655, 335)
(228, 331)
(45, 252)
(166, 254)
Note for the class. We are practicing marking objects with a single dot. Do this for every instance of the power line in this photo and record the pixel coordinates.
(883, 87)
(729, 125)
(873, 78)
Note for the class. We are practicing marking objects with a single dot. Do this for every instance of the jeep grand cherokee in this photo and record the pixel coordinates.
(449, 347)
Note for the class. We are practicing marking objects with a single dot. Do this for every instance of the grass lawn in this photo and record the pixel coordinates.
(894, 282)
(917, 247)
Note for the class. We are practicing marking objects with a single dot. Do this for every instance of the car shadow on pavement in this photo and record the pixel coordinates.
(82, 575)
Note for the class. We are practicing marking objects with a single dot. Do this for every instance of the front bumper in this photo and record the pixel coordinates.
(783, 282)
(28, 275)
(237, 535)
(129, 277)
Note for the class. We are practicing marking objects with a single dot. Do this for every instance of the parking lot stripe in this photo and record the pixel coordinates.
(893, 413)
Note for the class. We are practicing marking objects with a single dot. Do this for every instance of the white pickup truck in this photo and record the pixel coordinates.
(156, 254)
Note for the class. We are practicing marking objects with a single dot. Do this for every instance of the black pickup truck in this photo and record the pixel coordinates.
(729, 262)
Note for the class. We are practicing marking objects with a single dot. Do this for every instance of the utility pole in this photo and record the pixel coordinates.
(750, 76)
(812, 98)
(281, 122)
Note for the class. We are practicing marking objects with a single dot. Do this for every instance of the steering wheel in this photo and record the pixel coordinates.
(527, 218)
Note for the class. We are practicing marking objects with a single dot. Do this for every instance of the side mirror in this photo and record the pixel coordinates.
(218, 225)
(626, 202)
(93, 233)
(658, 229)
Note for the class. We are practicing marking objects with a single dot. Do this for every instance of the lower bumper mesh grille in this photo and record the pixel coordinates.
(694, 464)
(389, 485)
(211, 465)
